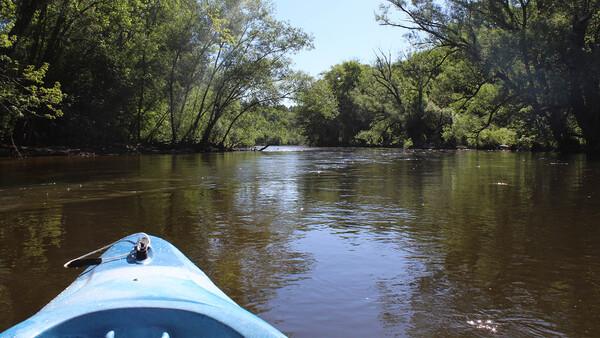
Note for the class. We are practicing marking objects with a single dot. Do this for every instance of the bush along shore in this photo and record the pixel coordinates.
(9, 151)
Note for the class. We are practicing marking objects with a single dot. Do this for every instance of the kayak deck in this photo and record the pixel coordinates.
(165, 295)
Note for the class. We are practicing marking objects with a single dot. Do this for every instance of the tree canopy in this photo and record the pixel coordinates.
(140, 71)
(541, 57)
(215, 73)
(483, 73)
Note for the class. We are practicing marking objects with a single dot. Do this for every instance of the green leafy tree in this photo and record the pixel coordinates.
(347, 81)
(252, 68)
(541, 54)
(344, 86)
(409, 83)
(317, 114)
(181, 72)
(278, 126)
(25, 94)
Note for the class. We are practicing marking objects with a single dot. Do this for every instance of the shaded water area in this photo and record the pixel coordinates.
(326, 242)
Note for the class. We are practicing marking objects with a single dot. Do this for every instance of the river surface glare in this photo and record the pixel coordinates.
(329, 242)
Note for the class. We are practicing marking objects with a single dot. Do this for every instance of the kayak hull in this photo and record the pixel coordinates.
(165, 295)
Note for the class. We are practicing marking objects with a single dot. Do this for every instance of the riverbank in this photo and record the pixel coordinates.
(132, 150)
(7, 151)
(115, 150)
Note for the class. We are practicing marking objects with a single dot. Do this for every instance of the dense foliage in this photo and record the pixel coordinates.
(215, 73)
(386, 104)
(485, 73)
(181, 72)
(540, 56)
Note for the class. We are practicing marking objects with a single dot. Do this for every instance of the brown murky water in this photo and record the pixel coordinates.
(324, 242)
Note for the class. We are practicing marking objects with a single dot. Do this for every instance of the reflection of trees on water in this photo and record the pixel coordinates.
(516, 243)
(446, 237)
(252, 215)
(27, 241)
(191, 201)
(208, 216)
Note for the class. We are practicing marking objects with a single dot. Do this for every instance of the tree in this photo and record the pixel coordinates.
(409, 83)
(346, 81)
(317, 114)
(344, 86)
(251, 66)
(181, 72)
(520, 46)
(25, 95)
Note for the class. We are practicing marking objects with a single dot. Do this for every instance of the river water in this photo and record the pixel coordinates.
(329, 242)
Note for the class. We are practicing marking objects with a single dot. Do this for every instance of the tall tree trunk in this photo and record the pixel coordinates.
(172, 99)
(242, 112)
(584, 83)
(138, 122)
(194, 125)
(209, 127)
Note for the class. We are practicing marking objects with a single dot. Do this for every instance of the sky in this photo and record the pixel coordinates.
(343, 30)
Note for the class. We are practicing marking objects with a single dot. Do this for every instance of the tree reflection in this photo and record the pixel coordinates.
(27, 240)
(518, 253)
(191, 201)
(408, 243)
